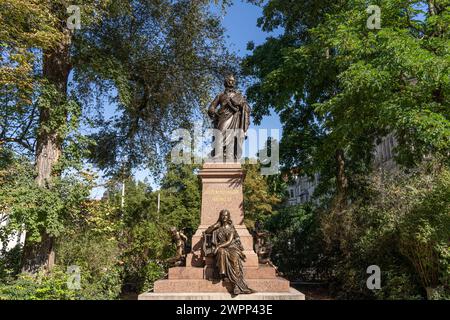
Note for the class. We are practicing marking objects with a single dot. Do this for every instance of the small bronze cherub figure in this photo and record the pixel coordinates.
(179, 239)
(262, 245)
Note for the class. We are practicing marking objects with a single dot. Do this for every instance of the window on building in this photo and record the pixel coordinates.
(292, 193)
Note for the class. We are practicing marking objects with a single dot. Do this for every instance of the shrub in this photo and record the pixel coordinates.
(145, 247)
(424, 232)
(10, 262)
(402, 227)
(297, 243)
(42, 286)
(96, 255)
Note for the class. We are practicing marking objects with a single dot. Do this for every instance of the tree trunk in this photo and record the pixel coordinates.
(432, 10)
(40, 255)
(56, 69)
(341, 181)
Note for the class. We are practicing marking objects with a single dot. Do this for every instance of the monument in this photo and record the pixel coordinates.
(222, 263)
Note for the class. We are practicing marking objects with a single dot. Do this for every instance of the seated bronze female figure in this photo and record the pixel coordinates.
(228, 252)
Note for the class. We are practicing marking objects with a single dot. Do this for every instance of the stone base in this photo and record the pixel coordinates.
(291, 295)
(209, 273)
(202, 285)
(221, 189)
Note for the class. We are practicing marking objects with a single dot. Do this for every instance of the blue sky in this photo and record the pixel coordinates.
(240, 23)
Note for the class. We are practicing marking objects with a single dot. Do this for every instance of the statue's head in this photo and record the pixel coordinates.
(225, 217)
(173, 231)
(230, 81)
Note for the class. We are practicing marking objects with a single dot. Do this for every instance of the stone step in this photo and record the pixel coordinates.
(260, 272)
(291, 295)
(193, 285)
(185, 273)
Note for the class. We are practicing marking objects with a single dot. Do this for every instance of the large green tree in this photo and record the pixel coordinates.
(155, 60)
(339, 85)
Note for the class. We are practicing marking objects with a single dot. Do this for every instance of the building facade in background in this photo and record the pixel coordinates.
(302, 188)
(384, 153)
(16, 239)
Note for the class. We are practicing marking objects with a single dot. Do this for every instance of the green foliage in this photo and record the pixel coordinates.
(259, 199)
(398, 285)
(144, 248)
(152, 272)
(57, 210)
(402, 227)
(180, 197)
(162, 58)
(143, 233)
(439, 293)
(33, 208)
(139, 54)
(297, 242)
(340, 86)
(26, 24)
(96, 254)
(10, 262)
(337, 84)
(41, 286)
(424, 232)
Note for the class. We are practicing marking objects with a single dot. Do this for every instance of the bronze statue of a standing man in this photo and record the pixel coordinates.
(231, 120)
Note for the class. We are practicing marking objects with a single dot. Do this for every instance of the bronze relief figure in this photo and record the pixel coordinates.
(228, 251)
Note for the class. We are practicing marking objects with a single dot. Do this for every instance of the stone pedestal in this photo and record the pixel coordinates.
(221, 189)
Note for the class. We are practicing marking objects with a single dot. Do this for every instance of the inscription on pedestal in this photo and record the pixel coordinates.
(222, 196)
(219, 193)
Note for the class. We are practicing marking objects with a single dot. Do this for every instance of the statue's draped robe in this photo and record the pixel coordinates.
(232, 120)
(230, 259)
